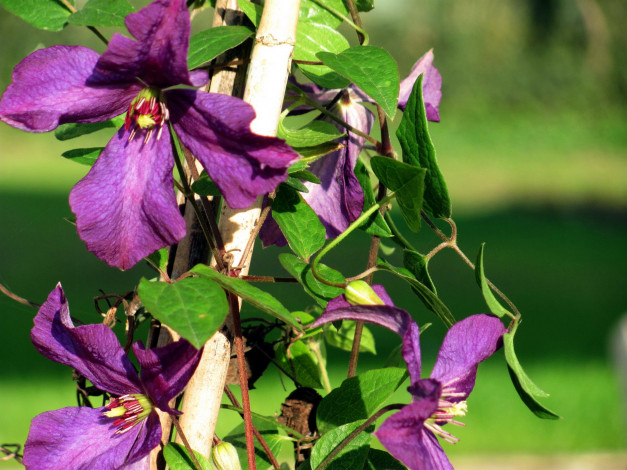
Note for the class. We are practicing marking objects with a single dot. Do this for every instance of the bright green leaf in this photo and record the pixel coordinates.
(312, 38)
(351, 457)
(431, 301)
(270, 434)
(343, 338)
(50, 15)
(102, 13)
(417, 265)
(210, 43)
(194, 307)
(70, 131)
(249, 293)
(318, 151)
(313, 12)
(322, 293)
(178, 458)
(527, 390)
(251, 10)
(370, 68)
(159, 259)
(301, 363)
(296, 184)
(312, 134)
(375, 224)
(306, 175)
(299, 223)
(358, 397)
(86, 156)
(418, 150)
(494, 305)
(407, 182)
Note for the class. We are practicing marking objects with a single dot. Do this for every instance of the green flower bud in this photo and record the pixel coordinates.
(360, 293)
(225, 457)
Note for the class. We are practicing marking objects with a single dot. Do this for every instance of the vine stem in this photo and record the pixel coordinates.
(181, 434)
(327, 460)
(17, 298)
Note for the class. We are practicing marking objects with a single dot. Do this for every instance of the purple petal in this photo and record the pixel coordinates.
(431, 86)
(93, 350)
(49, 88)
(165, 371)
(216, 129)
(403, 434)
(159, 56)
(82, 439)
(392, 318)
(466, 344)
(126, 207)
(148, 438)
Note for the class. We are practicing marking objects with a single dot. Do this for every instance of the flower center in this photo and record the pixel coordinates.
(146, 112)
(129, 410)
(446, 412)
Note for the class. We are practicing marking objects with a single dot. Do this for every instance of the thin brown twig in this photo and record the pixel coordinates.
(180, 432)
(253, 235)
(268, 279)
(17, 298)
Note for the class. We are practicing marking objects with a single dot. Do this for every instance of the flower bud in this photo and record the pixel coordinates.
(224, 456)
(360, 293)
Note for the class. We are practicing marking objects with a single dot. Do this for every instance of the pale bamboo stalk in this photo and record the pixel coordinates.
(265, 88)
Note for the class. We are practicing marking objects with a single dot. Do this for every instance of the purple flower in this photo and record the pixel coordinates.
(410, 434)
(338, 200)
(121, 434)
(126, 207)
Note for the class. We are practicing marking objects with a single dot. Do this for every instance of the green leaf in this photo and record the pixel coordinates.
(527, 390)
(378, 459)
(178, 458)
(312, 38)
(306, 175)
(301, 364)
(204, 186)
(269, 432)
(418, 150)
(351, 457)
(210, 43)
(299, 223)
(86, 156)
(318, 151)
(370, 68)
(417, 265)
(296, 184)
(194, 307)
(358, 397)
(343, 338)
(375, 224)
(102, 13)
(431, 301)
(159, 259)
(313, 12)
(70, 131)
(494, 305)
(312, 134)
(251, 10)
(364, 5)
(249, 293)
(50, 15)
(407, 182)
(322, 293)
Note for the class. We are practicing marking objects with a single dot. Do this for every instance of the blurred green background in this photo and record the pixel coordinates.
(533, 145)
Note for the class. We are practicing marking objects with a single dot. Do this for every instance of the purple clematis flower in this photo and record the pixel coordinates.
(338, 200)
(126, 207)
(121, 434)
(410, 434)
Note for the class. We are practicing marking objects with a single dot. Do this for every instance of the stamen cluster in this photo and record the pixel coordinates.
(446, 411)
(147, 111)
(129, 409)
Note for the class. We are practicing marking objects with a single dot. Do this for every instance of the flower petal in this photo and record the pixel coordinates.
(392, 318)
(80, 439)
(403, 434)
(93, 350)
(165, 371)
(148, 438)
(159, 56)
(126, 207)
(468, 342)
(216, 129)
(431, 86)
(49, 88)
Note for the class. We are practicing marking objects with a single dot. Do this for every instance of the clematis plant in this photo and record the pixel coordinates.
(126, 207)
(339, 199)
(410, 434)
(121, 434)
